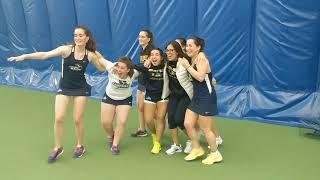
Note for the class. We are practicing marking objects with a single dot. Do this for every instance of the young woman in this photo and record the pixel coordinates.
(203, 103)
(146, 43)
(117, 100)
(72, 85)
(182, 43)
(181, 91)
(155, 98)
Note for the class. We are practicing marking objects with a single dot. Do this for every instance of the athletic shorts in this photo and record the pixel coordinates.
(153, 98)
(85, 91)
(106, 99)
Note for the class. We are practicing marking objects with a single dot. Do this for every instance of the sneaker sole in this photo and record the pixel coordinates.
(217, 161)
(143, 135)
(155, 152)
(173, 153)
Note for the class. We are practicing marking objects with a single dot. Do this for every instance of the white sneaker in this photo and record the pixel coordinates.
(219, 140)
(174, 149)
(188, 148)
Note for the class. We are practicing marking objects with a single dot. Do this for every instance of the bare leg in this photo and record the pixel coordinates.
(215, 129)
(122, 112)
(205, 125)
(149, 111)
(140, 103)
(189, 123)
(175, 136)
(78, 116)
(160, 118)
(107, 115)
(61, 105)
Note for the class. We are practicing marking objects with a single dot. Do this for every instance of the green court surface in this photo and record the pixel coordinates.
(251, 150)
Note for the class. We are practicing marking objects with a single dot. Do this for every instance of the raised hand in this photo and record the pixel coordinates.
(147, 63)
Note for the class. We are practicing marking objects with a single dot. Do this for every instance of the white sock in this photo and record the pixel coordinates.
(215, 152)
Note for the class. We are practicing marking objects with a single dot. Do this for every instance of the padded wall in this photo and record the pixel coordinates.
(264, 54)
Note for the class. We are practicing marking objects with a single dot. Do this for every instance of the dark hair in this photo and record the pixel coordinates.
(149, 35)
(128, 62)
(198, 42)
(182, 41)
(158, 49)
(91, 44)
(176, 46)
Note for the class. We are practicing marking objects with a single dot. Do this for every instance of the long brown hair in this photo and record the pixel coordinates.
(198, 42)
(91, 45)
(127, 61)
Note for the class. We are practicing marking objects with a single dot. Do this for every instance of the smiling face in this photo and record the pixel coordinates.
(122, 69)
(144, 39)
(192, 49)
(80, 37)
(172, 54)
(155, 57)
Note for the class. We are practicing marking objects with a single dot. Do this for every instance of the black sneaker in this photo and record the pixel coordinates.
(139, 133)
(79, 151)
(55, 154)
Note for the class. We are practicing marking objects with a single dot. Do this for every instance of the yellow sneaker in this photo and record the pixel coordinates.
(212, 158)
(194, 154)
(156, 148)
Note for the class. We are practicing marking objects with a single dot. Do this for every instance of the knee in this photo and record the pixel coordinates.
(77, 119)
(206, 130)
(105, 123)
(121, 124)
(59, 119)
(188, 125)
(159, 118)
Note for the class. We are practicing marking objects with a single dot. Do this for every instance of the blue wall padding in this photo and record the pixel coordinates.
(265, 55)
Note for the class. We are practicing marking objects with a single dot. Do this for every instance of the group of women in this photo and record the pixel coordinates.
(178, 83)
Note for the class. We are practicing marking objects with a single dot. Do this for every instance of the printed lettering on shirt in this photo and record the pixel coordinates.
(120, 84)
(171, 72)
(76, 67)
(156, 74)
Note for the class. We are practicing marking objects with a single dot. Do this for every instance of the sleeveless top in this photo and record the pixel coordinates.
(73, 72)
(204, 88)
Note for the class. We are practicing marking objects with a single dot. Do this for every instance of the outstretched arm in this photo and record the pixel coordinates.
(140, 68)
(99, 61)
(60, 51)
